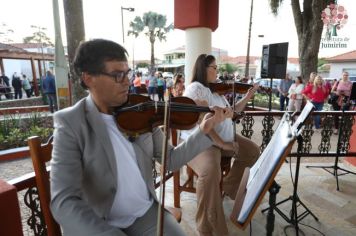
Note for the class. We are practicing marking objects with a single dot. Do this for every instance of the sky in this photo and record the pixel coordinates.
(102, 19)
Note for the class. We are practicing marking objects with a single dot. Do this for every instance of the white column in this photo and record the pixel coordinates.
(197, 41)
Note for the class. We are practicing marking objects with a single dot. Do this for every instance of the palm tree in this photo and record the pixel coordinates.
(154, 26)
(73, 11)
(309, 29)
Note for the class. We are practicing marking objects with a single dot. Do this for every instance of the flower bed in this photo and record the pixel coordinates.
(16, 128)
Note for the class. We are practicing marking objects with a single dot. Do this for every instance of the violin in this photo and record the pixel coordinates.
(140, 114)
(223, 88)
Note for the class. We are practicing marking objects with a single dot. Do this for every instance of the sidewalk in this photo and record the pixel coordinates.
(317, 189)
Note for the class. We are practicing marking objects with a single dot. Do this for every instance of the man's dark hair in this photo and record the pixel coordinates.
(199, 71)
(90, 56)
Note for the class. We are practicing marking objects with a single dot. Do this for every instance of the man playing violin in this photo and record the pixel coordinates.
(101, 183)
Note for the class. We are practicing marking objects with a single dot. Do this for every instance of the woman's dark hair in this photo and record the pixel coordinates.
(90, 56)
(177, 79)
(300, 79)
(199, 70)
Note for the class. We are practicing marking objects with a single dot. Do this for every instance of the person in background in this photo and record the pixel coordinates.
(225, 76)
(5, 81)
(132, 86)
(283, 89)
(49, 89)
(160, 87)
(178, 86)
(343, 90)
(17, 85)
(26, 85)
(317, 95)
(169, 84)
(328, 86)
(101, 180)
(295, 95)
(152, 85)
(137, 82)
(210, 218)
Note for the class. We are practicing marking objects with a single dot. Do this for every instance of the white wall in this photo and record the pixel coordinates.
(336, 69)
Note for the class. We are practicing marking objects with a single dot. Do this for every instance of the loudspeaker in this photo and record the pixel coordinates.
(274, 60)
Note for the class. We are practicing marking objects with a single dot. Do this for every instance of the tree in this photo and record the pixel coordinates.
(154, 26)
(73, 11)
(230, 68)
(309, 28)
(38, 37)
(6, 34)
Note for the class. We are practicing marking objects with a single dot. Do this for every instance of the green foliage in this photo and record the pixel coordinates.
(153, 25)
(15, 137)
(14, 130)
(321, 61)
(230, 68)
(9, 122)
(142, 65)
(262, 100)
(38, 37)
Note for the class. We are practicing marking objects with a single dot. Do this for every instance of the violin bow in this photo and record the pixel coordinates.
(162, 186)
(233, 110)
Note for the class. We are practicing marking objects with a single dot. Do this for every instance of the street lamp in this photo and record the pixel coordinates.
(131, 9)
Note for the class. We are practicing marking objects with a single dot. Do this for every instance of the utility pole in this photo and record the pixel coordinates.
(247, 67)
(131, 9)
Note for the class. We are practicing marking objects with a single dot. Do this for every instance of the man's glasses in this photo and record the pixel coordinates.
(118, 76)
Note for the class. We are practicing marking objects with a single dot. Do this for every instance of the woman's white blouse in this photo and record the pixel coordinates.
(197, 91)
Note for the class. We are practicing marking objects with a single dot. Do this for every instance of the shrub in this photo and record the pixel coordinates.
(15, 129)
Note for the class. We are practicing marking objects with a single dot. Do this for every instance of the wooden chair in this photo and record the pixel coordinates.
(40, 154)
(188, 185)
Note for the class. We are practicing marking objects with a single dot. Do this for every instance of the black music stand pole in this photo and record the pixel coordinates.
(294, 217)
(273, 190)
(270, 96)
(334, 168)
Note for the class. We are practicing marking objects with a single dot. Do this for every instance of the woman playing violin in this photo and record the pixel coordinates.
(101, 182)
(178, 86)
(210, 215)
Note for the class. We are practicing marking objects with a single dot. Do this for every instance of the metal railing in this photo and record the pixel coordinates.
(266, 122)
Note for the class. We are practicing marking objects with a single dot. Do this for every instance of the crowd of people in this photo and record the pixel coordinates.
(293, 93)
(20, 83)
(318, 91)
(156, 86)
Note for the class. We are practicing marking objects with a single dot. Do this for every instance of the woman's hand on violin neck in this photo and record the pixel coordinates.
(210, 120)
(255, 87)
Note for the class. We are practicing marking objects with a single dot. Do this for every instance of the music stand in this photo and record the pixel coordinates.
(260, 178)
(335, 168)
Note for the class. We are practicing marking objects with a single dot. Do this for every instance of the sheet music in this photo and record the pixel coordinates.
(262, 170)
(265, 166)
